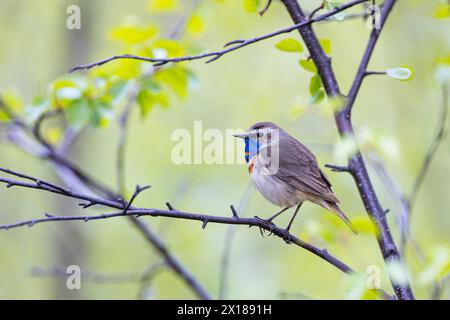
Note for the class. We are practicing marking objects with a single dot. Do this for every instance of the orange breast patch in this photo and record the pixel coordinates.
(251, 164)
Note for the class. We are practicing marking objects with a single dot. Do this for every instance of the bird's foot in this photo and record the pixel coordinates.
(287, 236)
(265, 221)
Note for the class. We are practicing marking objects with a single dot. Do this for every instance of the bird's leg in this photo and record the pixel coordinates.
(292, 220)
(293, 217)
(270, 219)
(274, 216)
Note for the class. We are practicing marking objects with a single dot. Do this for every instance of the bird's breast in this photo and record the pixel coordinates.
(272, 188)
(251, 164)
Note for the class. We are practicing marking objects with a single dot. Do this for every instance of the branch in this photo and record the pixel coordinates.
(70, 173)
(102, 278)
(434, 146)
(230, 234)
(264, 10)
(150, 235)
(407, 202)
(394, 191)
(229, 47)
(362, 69)
(313, 13)
(356, 166)
(138, 212)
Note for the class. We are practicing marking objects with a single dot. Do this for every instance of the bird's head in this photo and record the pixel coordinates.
(258, 136)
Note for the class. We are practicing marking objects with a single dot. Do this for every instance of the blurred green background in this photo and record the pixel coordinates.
(393, 118)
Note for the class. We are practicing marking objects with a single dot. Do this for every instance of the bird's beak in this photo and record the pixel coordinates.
(244, 135)
(241, 135)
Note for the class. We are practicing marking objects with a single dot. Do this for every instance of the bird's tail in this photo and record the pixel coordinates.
(333, 207)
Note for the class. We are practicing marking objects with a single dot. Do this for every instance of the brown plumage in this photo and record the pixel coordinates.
(298, 177)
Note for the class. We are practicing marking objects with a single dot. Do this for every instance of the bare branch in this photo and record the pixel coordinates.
(225, 264)
(345, 127)
(72, 175)
(313, 13)
(103, 278)
(362, 69)
(136, 193)
(138, 212)
(336, 168)
(264, 10)
(434, 146)
(374, 73)
(215, 55)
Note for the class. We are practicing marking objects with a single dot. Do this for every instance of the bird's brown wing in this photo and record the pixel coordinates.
(298, 167)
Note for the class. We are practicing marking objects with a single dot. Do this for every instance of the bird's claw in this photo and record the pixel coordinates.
(287, 236)
(266, 221)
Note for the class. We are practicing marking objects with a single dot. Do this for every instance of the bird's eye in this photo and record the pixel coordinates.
(259, 134)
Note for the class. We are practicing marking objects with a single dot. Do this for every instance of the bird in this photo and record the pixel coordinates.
(286, 172)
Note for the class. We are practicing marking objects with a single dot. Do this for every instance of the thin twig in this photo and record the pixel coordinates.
(398, 196)
(374, 73)
(434, 146)
(123, 135)
(313, 13)
(100, 277)
(229, 47)
(264, 10)
(230, 234)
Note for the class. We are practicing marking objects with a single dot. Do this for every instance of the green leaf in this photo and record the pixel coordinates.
(365, 225)
(308, 65)
(195, 25)
(318, 97)
(172, 47)
(315, 84)
(78, 113)
(437, 268)
(445, 59)
(12, 100)
(251, 5)
(151, 84)
(119, 91)
(133, 34)
(3, 116)
(336, 103)
(298, 110)
(403, 73)
(53, 135)
(289, 45)
(176, 78)
(442, 11)
(160, 6)
(326, 45)
(146, 102)
(34, 110)
(101, 114)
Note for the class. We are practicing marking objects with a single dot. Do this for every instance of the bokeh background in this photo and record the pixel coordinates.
(395, 120)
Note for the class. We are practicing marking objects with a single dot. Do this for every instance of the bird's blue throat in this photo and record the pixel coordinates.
(252, 147)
